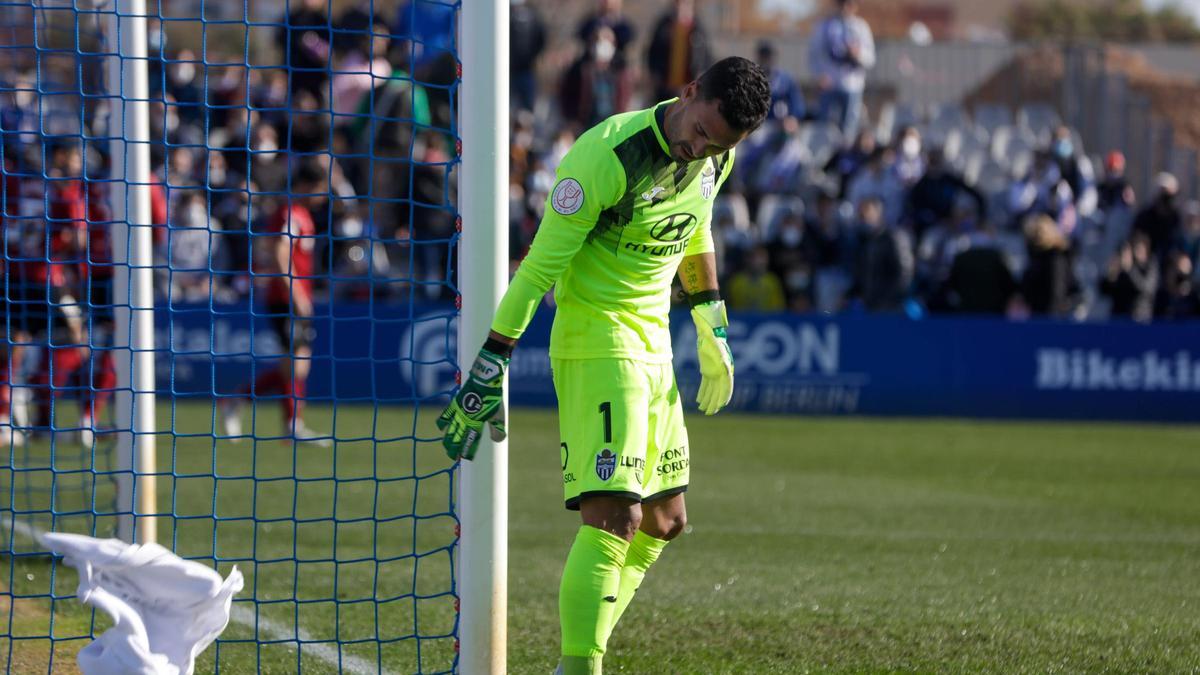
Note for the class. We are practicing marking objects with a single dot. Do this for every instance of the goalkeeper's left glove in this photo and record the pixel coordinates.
(479, 400)
(716, 359)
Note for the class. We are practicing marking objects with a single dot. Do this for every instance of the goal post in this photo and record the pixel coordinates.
(128, 92)
(483, 277)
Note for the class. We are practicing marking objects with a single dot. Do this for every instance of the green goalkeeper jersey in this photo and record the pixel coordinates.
(621, 217)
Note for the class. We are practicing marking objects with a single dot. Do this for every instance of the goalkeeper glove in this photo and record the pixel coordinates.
(480, 399)
(716, 359)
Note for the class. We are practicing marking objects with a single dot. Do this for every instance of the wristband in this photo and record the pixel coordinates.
(704, 297)
(498, 348)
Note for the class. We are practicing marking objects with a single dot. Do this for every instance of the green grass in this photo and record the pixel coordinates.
(841, 545)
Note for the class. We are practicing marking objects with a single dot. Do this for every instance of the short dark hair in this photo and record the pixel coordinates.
(742, 89)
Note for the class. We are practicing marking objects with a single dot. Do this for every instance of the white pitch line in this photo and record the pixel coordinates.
(244, 616)
(278, 631)
(21, 528)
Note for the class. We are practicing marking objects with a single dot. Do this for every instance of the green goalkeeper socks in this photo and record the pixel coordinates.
(587, 599)
(643, 551)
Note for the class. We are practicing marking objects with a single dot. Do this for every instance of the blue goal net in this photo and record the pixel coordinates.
(303, 229)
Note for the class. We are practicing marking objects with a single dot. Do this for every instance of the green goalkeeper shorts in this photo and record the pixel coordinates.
(621, 425)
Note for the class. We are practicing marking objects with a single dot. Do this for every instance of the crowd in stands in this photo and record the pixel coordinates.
(832, 207)
(908, 209)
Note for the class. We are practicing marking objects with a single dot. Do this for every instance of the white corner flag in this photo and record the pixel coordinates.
(165, 610)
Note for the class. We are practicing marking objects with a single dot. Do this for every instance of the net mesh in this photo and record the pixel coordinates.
(303, 226)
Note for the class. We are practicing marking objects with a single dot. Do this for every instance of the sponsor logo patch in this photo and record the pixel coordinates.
(674, 228)
(472, 403)
(485, 370)
(568, 197)
(653, 193)
(606, 464)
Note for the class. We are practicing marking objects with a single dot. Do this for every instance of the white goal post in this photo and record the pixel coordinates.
(483, 276)
(127, 88)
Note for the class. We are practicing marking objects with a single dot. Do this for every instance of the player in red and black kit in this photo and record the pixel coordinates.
(65, 236)
(287, 265)
(41, 306)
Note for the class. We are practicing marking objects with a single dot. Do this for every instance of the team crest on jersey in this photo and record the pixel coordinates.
(708, 181)
(606, 464)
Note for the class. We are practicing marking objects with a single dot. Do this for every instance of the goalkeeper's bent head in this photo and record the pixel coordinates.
(717, 110)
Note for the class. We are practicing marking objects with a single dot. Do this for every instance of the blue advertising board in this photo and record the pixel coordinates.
(789, 364)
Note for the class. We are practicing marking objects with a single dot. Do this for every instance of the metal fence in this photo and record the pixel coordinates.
(1101, 105)
(1110, 114)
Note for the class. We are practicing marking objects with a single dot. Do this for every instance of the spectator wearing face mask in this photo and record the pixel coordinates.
(910, 163)
(598, 85)
(794, 253)
(609, 15)
(1075, 170)
(1161, 219)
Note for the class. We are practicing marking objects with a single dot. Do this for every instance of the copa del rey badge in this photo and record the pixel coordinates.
(708, 181)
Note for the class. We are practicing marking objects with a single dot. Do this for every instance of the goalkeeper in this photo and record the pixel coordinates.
(632, 207)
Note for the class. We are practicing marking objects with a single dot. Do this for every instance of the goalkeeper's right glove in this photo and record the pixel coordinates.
(479, 400)
(716, 359)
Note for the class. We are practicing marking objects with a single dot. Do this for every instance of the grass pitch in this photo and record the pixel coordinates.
(822, 545)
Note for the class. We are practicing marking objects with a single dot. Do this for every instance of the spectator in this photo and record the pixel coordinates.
(756, 288)
(1048, 285)
(363, 64)
(931, 201)
(794, 252)
(1178, 299)
(191, 253)
(1114, 192)
(841, 51)
(980, 281)
(678, 51)
(181, 84)
(910, 163)
(308, 129)
(787, 101)
(1160, 220)
(598, 85)
(885, 263)
(304, 39)
(424, 46)
(425, 29)
(1188, 240)
(1075, 170)
(609, 15)
(846, 162)
(1042, 190)
(527, 39)
(1132, 280)
(877, 180)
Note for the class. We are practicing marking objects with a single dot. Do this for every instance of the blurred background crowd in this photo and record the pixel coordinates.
(847, 199)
